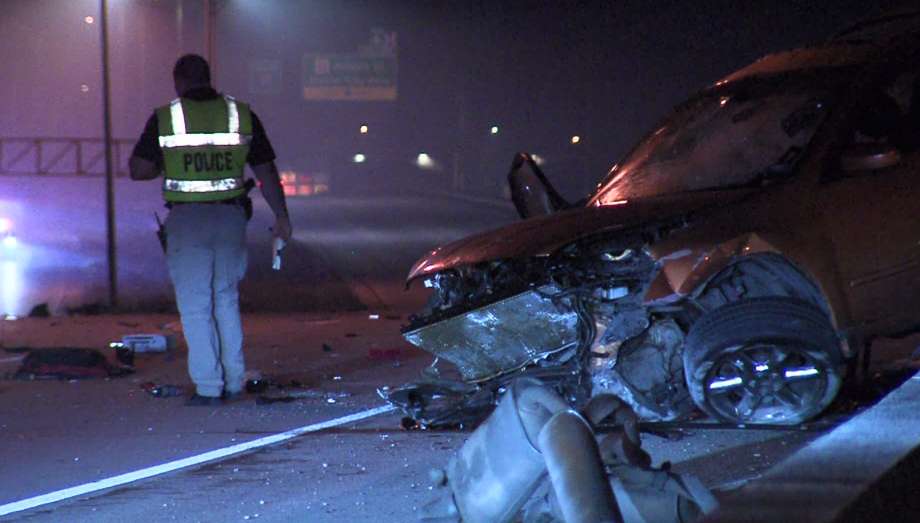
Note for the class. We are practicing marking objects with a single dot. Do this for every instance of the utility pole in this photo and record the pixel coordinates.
(209, 14)
(109, 174)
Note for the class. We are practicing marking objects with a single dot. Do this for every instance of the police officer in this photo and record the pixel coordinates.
(201, 142)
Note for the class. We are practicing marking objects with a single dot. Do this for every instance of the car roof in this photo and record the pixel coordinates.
(856, 45)
(880, 29)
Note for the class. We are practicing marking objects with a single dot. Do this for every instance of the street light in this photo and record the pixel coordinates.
(424, 161)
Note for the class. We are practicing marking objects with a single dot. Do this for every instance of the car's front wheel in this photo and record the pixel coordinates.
(773, 360)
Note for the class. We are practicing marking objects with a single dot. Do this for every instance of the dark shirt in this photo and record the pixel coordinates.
(148, 146)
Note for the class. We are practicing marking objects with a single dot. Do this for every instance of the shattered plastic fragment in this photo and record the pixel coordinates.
(256, 386)
(162, 391)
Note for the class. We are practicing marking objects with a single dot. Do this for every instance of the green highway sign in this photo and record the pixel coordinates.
(349, 77)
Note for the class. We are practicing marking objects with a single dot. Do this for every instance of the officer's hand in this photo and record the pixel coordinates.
(282, 228)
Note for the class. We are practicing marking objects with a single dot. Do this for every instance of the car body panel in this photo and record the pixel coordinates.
(876, 242)
(687, 268)
(836, 55)
(544, 235)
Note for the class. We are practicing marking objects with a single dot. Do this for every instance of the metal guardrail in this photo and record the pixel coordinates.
(47, 156)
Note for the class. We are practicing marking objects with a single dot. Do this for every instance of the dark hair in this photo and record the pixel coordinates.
(193, 68)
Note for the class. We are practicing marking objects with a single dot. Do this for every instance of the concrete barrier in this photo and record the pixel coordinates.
(864, 470)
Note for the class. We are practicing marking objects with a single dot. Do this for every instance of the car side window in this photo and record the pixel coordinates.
(896, 117)
(884, 125)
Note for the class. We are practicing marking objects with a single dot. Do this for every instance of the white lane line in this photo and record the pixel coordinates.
(130, 477)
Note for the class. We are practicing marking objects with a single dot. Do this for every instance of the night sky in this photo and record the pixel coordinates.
(605, 71)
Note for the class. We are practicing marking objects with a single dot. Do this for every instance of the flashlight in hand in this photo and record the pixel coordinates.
(277, 247)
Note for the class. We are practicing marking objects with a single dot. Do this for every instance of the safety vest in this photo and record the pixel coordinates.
(204, 143)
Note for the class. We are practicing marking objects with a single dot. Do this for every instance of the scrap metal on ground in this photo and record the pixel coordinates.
(537, 460)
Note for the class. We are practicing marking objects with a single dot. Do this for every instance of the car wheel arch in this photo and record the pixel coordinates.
(765, 273)
(688, 273)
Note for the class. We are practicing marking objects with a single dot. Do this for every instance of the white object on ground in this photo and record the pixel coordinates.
(145, 342)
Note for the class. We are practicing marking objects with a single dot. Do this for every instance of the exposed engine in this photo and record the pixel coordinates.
(575, 319)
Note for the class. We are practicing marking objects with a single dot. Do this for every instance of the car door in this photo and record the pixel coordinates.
(873, 218)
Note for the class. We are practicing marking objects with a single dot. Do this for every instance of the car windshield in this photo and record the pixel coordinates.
(729, 136)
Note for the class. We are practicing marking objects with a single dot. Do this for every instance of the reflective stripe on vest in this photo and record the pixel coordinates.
(179, 138)
(199, 139)
(198, 186)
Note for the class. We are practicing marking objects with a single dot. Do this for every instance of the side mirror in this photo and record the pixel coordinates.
(531, 192)
(864, 157)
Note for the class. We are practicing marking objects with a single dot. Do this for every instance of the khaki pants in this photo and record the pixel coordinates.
(206, 254)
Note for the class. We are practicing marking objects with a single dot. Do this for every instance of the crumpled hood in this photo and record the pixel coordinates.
(542, 236)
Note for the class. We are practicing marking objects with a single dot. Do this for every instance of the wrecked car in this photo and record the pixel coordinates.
(736, 261)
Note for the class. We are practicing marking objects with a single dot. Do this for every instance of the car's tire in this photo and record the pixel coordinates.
(772, 360)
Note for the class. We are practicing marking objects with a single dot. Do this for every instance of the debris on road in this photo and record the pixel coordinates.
(67, 364)
(129, 345)
(440, 403)
(124, 355)
(545, 463)
(288, 396)
(148, 342)
(256, 386)
(162, 391)
(327, 347)
(40, 311)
